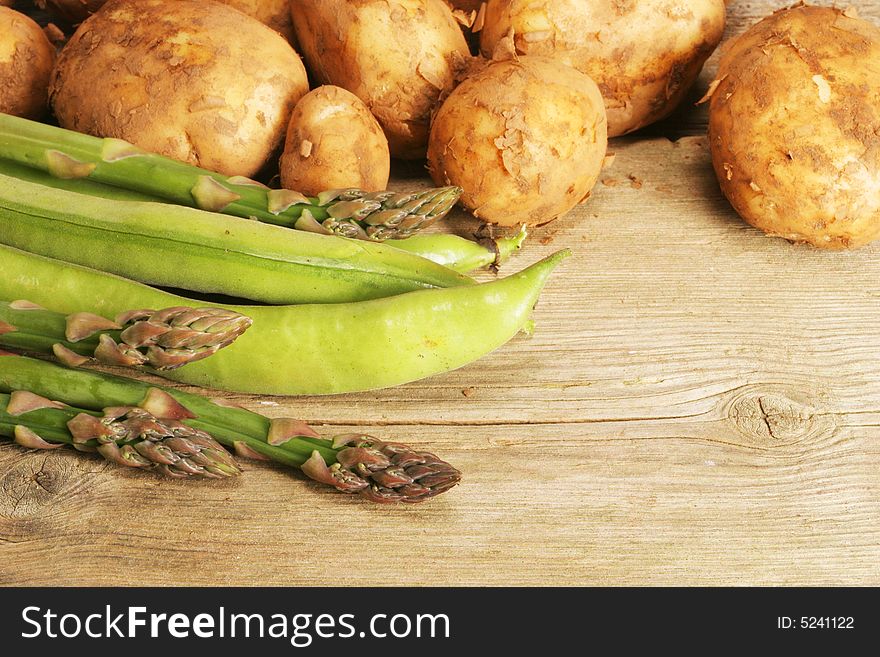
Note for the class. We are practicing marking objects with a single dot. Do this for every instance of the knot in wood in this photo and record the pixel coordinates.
(35, 481)
(774, 417)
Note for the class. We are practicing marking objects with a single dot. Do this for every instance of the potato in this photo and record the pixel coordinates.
(794, 127)
(333, 142)
(525, 140)
(644, 54)
(26, 59)
(398, 56)
(191, 79)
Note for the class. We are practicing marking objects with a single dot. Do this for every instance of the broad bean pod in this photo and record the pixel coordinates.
(176, 246)
(314, 348)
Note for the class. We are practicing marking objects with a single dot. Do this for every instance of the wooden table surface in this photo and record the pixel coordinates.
(700, 404)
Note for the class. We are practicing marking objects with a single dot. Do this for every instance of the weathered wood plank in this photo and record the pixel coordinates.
(698, 405)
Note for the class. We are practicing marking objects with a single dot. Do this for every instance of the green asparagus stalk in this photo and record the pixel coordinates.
(163, 340)
(128, 436)
(457, 253)
(350, 212)
(352, 463)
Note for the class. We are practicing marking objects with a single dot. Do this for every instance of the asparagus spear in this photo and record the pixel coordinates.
(125, 435)
(348, 212)
(352, 463)
(163, 340)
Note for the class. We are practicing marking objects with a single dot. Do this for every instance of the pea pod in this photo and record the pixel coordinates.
(457, 253)
(310, 349)
(175, 246)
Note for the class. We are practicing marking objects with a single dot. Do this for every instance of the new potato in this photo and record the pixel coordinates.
(398, 56)
(333, 142)
(794, 127)
(643, 54)
(26, 59)
(525, 139)
(190, 79)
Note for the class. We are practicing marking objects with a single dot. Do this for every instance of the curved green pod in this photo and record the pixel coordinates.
(180, 247)
(310, 349)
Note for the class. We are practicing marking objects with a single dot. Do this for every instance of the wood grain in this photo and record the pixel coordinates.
(700, 404)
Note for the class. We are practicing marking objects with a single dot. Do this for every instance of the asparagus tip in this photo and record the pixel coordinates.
(383, 472)
(177, 449)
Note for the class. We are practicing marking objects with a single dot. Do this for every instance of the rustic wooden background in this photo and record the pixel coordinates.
(700, 404)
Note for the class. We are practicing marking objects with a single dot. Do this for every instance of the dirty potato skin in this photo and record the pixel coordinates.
(26, 59)
(190, 79)
(398, 56)
(795, 127)
(525, 139)
(333, 142)
(643, 54)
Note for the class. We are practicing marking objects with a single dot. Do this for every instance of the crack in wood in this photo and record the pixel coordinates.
(765, 417)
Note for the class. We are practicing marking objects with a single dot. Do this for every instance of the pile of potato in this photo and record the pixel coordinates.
(511, 100)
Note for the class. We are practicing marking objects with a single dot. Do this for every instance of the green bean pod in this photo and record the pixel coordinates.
(310, 349)
(175, 246)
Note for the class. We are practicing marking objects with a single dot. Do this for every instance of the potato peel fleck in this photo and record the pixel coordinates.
(713, 87)
(824, 88)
